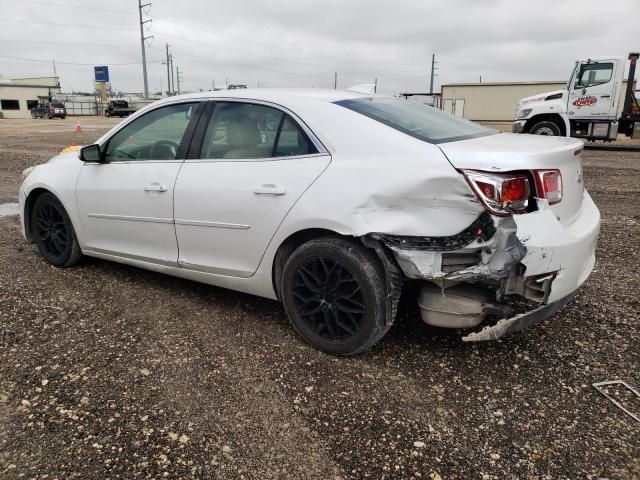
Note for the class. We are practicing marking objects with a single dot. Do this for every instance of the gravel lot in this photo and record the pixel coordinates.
(108, 371)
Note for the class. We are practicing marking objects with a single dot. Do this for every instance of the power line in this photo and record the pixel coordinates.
(50, 24)
(61, 5)
(73, 63)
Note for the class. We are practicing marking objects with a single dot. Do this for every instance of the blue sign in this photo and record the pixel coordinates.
(101, 73)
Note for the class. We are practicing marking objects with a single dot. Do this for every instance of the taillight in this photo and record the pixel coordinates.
(549, 185)
(501, 193)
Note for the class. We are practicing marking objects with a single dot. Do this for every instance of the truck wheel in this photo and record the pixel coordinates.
(334, 294)
(545, 128)
(107, 114)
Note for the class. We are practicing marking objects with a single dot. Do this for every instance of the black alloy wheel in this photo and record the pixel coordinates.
(334, 292)
(329, 298)
(53, 232)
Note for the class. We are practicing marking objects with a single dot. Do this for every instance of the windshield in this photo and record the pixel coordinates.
(57, 105)
(416, 119)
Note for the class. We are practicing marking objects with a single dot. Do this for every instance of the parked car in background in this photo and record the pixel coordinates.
(49, 110)
(330, 202)
(118, 108)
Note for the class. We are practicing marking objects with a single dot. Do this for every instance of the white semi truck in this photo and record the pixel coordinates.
(592, 106)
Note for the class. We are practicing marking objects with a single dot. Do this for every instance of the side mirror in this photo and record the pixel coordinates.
(90, 153)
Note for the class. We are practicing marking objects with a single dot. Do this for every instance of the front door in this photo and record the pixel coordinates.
(254, 164)
(126, 201)
(592, 93)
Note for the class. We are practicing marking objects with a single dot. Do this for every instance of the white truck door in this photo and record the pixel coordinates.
(594, 89)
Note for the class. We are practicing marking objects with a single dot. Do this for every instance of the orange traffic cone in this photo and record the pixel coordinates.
(73, 143)
(78, 127)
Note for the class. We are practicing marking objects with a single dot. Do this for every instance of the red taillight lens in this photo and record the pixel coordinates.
(501, 193)
(515, 189)
(549, 185)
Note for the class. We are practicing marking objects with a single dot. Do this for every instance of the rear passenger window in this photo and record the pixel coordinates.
(250, 131)
(292, 141)
(241, 131)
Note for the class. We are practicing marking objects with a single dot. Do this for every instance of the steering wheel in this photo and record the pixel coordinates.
(164, 150)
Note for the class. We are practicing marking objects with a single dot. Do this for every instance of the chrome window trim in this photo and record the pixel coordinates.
(261, 159)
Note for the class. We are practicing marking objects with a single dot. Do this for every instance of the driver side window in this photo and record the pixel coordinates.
(154, 136)
(592, 74)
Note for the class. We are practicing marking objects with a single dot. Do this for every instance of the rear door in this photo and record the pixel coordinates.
(593, 92)
(254, 163)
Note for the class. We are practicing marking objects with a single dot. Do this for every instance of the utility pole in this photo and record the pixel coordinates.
(433, 72)
(375, 85)
(173, 80)
(335, 80)
(168, 71)
(142, 40)
(178, 78)
(480, 78)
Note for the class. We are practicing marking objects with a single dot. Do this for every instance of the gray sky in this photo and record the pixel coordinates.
(302, 42)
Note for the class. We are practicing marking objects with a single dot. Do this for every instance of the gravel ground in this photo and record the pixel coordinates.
(107, 371)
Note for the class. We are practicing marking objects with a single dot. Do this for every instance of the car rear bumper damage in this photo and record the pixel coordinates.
(506, 273)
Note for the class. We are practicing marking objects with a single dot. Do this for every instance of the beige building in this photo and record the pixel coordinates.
(491, 101)
(497, 101)
(19, 95)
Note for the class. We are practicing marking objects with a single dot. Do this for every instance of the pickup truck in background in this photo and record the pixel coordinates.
(49, 110)
(118, 108)
(592, 106)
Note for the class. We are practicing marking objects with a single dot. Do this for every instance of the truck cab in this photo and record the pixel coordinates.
(593, 105)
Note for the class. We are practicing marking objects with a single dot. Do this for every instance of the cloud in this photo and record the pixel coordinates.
(303, 42)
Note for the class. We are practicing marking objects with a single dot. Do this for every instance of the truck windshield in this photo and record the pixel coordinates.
(416, 119)
(57, 105)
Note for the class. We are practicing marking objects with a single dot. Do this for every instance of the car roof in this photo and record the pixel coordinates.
(276, 95)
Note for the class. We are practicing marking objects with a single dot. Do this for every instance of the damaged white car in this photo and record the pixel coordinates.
(328, 201)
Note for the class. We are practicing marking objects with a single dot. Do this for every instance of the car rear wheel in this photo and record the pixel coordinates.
(53, 232)
(545, 128)
(334, 294)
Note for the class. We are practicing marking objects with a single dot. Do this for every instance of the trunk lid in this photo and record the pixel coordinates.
(507, 152)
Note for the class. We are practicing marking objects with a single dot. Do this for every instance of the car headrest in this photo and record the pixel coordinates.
(243, 133)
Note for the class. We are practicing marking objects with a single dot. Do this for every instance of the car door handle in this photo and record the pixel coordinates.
(270, 189)
(155, 187)
(605, 96)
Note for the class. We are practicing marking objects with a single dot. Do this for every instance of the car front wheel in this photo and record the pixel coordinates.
(53, 232)
(334, 293)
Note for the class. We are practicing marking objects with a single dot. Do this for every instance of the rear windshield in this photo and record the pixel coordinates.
(416, 119)
(57, 105)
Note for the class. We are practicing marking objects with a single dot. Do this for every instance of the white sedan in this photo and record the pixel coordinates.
(329, 201)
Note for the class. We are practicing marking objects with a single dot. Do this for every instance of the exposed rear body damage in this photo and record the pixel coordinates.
(516, 270)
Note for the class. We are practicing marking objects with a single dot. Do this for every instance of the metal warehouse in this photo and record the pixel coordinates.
(491, 101)
(19, 95)
(496, 101)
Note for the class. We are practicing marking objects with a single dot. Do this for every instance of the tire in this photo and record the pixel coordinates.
(334, 293)
(63, 117)
(49, 116)
(545, 128)
(53, 232)
(33, 115)
(107, 114)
